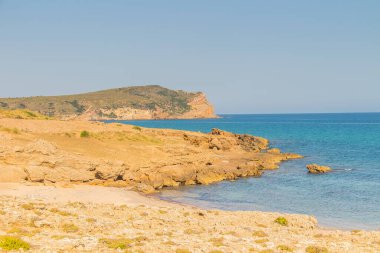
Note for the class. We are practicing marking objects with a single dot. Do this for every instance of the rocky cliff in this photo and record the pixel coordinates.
(139, 102)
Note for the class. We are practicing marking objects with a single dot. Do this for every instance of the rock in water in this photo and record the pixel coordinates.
(318, 169)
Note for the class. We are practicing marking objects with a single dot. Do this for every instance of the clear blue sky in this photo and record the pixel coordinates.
(248, 56)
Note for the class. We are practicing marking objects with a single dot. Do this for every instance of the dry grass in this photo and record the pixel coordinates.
(120, 243)
(60, 212)
(28, 206)
(21, 114)
(10, 130)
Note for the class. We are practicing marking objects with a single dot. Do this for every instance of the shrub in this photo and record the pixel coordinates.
(31, 114)
(13, 243)
(85, 134)
(316, 249)
(137, 128)
(122, 243)
(28, 206)
(70, 228)
(91, 220)
(284, 248)
(282, 221)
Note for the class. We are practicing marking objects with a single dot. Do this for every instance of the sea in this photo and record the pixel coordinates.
(347, 198)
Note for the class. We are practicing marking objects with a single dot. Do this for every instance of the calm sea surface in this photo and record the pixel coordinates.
(347, 198)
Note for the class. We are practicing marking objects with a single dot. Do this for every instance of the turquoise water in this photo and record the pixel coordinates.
(347, 198)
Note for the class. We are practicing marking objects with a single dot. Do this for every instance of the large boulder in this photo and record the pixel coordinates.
(318, 169)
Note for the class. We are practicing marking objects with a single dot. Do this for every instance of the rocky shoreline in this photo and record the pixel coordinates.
(66, 207)
(50, 152)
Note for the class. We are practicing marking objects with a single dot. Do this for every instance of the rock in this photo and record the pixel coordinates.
(110, 170)
(156, 180)
(208, 177)
(318, 169)
(274, 151)
(144, 188)
(249, 169)
(215, 143)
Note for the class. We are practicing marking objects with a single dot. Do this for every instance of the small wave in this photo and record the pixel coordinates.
(343, 169)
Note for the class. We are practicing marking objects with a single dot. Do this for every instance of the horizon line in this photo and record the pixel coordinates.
(295, 113)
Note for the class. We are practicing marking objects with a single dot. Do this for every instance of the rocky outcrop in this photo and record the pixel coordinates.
(120, 155)
(318, 169)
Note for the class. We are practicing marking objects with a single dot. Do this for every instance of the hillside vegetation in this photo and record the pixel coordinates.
(122, 103)
(21, 114)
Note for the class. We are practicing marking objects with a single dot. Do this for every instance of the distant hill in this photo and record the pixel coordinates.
(138, 102)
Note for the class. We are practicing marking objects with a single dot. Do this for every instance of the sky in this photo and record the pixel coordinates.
(268, 56)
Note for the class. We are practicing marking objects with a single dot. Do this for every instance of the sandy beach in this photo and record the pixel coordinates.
(106, 219)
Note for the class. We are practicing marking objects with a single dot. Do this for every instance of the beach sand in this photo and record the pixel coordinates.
(100, 219)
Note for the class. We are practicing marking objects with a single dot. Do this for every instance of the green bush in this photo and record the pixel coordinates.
(282, 221)
(85, 134)
(13, 243)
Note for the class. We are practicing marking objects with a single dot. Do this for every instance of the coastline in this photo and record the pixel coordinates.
(68, 172)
